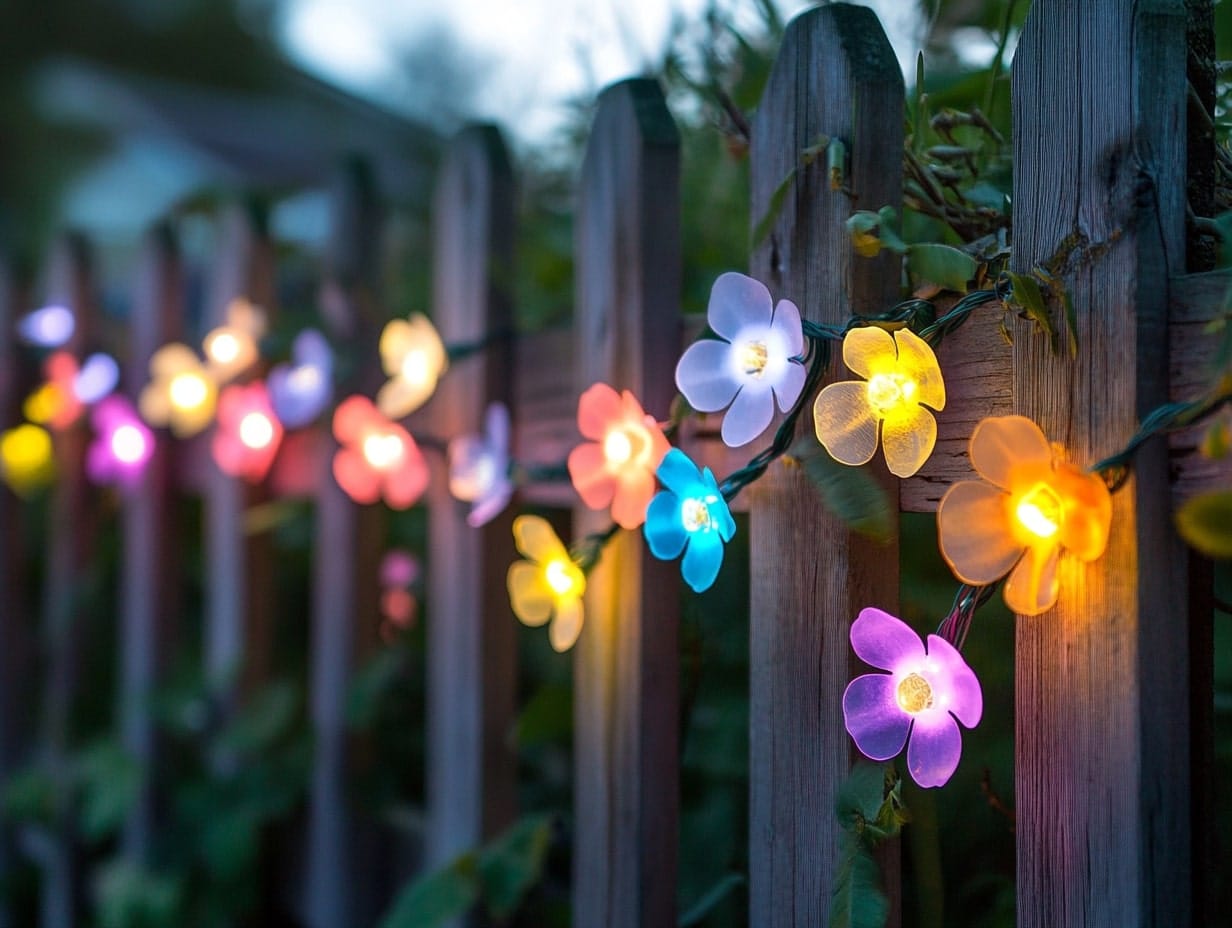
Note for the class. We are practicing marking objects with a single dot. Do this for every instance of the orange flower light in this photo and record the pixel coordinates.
(548, 584)
(1033, 506)
(616, 468)
(378, 458)
(901, 377)
(55, 403)
(248, 433)
(414, 358)
(181, 393)
(231, 348)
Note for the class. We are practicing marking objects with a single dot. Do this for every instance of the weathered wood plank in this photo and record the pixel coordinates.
(1102, 679)
(626, 763)
(472, 643)
(835, 75)
(149, 566)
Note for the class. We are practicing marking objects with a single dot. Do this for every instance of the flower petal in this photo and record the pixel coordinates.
(496, 427)
(702, 559)
(748, 417)
(845, 422)
(936, 746)
(1088, 512)
(872, 716)
(598, 408)
(352, 414)
(955, 685)
(703, 375)
(917, 360)
(400, 397)
(1032, 587)
(355, 476)
(908, 437)
(489, 506)
(789, 386)
(665, 532)
(679, 474)
(632, 497)
(884, 641)
(590, 477)
(567, 625)
(407, 483)
(737, 300)
(787, 322)
(869, 350)
(530, 597)
(1000, 443)
(972, 532)
(537, 540)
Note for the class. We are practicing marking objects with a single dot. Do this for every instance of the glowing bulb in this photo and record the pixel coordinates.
(187, 391)
(256, 431)
(128, 444)
(914, 694)
(753, 357)
(382, 450)
(695, 515)
(1039, 511)
(886, 392)
(617, 448)
(561, 576)
(223, 347)
(415, 366)
(43, 404)
(304, 378)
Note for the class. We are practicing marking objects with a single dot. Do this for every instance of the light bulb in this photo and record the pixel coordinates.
(382, 450)
(187, 391)
(256, 431)
(1039, 511)
(914, 694)
(887, 392)
(561, 576)
(128, 444)
(753, 357)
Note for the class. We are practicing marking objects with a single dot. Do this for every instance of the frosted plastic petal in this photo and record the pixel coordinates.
(352, 414)
(632, 498)
(537, 540)
(935, 748)
(1032, 587)
(396, 339)
(872, 716)
(1001, 443)
(845, 422)
(787, 322)
(405, 485)
(869, 350)
(355, 477)
(590, 478)
(172, 359)
(908, 437)
(664, 531)
(679, 474)
(703, 375)
(489, 506)
(749, 415)
(566, 626)
(1088, 512)
(155, 404)
(973, 534)
(399, 397)
(788, 388)
(530, 597)
(956, 688)
(884, 641)
(917, 361)
(703, 556)
(736, 301)
(598, 408)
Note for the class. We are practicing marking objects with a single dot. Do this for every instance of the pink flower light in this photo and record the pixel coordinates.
(929, 689)
(122, 444)
(378, 458)
(248, 433)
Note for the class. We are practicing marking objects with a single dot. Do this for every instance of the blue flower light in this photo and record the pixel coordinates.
(690, 516)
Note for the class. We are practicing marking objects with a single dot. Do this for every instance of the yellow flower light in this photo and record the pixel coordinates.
(901, 378)
(548, 584)
(181, 393)
(26, 459)
(414, 359)
(1033, 507)
(231, 348)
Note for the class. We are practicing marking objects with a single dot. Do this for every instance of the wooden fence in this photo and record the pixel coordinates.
(1105, 784)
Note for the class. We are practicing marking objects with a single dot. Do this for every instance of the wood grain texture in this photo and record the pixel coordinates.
(1102, 679)
(149, 564)
(835, 75)
(626, 759)
(472, 640)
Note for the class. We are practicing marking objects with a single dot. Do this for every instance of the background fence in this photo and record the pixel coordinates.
(1112, 738)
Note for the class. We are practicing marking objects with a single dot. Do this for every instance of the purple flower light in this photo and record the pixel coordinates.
(122, 443)
(479, 467)
(927, 692)
(300, 390)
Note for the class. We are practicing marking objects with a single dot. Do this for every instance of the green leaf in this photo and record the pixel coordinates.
(1071, 321)
(856, 900)
(437, 897)
(1028, 297)
(943, 265)
(547, 717)
(1205, 522)
(513, 863)
(729, 883)
(773, 208)
(371, 685)
(860, 796)
(851, 493)
(128, 896)
(109, 781)
(268, 716)
(30, 795)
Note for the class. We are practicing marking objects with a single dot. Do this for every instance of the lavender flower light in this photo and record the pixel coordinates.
(929, 689)
(122, 445)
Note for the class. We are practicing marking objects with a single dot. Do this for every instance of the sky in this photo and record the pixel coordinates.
(527, 56)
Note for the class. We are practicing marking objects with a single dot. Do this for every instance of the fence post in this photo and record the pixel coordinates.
(626, 757)
(835, 76)
(149, 563)
(70, 529)
(472, 642)
(344, 568)
(1102, 734)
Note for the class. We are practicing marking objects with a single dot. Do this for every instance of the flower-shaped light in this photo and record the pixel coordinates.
(378, 458)
(399, 572)
(26, 460)
(479, 467)
(901, 378)
(181, 393)
(48, 326)
(548, 584)
(617, 467)
(414, 358)
(122, 443)
(758, 360)
(1033, 505)
(248, 433)
(231, 348)
(690, 516)
(300, 390)
(55, 403)
(929, 689)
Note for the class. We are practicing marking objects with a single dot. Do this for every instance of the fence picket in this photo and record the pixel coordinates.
(835, 76)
